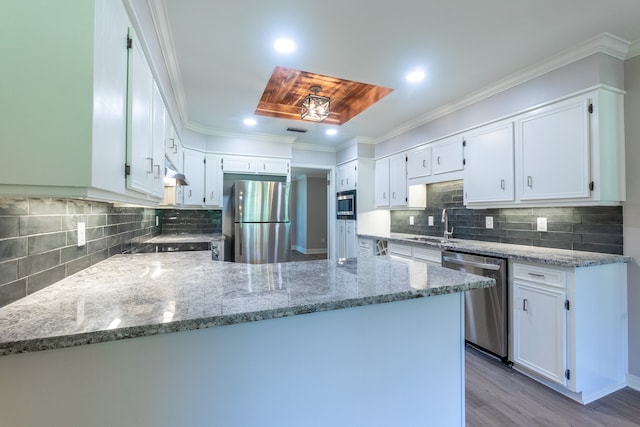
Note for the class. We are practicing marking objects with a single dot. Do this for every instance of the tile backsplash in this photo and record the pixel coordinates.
(593, 229)
(38, 239)
(175, 221)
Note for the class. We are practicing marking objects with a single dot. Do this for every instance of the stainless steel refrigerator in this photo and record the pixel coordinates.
(261, 222)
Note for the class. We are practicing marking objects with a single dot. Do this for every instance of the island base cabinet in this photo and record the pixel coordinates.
(376, 365)
(568, 327)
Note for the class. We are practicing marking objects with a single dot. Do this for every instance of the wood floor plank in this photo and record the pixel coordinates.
(497, 395)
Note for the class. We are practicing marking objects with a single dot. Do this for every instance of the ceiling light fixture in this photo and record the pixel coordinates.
(331, 131)
(415, 76)
(249, 122)
(284, 45)
(314, 106)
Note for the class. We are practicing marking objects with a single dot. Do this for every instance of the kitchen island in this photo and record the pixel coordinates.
(364, 341)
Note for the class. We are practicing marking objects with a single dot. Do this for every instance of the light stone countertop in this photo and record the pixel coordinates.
(185, 238)
(541, 255)
(128, 296)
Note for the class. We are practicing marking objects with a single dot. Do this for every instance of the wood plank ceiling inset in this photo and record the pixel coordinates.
(287, 88)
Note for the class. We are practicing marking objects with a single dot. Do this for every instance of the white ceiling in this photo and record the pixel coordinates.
(220, 54)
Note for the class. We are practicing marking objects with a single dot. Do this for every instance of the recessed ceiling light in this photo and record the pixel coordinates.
(284, 45)
(415, 76)
(249, 122)
(331, 131)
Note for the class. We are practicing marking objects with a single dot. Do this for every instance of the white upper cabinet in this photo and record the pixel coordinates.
(566, 153)
(194, 172)
(419, 162)
(257, 165)
(173, 146)
(347, 176)
(447, 155)
(213, 181)
(398, 180)
(67, 126)
(488, 164)
(382, 198)
(554, 152)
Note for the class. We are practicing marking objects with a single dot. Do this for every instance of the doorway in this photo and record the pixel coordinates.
(309, 213)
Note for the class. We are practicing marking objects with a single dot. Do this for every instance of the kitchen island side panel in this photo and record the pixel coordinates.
(399, 363)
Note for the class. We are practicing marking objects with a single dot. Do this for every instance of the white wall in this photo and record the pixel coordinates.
(632, 207)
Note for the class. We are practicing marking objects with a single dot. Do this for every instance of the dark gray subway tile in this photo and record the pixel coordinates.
(12, 292)
(8, 272)
(46, 242)
(99, 256)
(70, 222)
(598, 228)
(36, 263)
(72, 252)
(96, 245)
(41, 280)
(605, 218)
(96, 220)
(101, 208)
(11, 206)
(591, 247)
(602, 239)
(77, 265)
(9, 226)
(78, 207)
(39, 224)
(47, 206)
(13, 248)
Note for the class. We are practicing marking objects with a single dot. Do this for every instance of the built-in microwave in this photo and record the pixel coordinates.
(346, 204)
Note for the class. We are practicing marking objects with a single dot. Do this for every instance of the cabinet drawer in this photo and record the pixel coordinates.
(401, 250)
(541, 275)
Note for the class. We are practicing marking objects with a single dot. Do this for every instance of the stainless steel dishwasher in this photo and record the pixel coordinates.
(485, 309)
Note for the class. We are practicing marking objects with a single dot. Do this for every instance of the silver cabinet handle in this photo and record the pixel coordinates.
(157, 171)
(438, 160)
(384, 196)
(173, 142)
(424, 163)
(149, 165)
(393, 195)
(525, 305)
(536, 275)
(530, 181)
(502, 184)
(189, 193)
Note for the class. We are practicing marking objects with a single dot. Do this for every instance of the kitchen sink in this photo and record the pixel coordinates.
(435, 239)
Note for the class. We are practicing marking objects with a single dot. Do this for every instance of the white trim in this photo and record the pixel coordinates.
(633, 382)
(240, 135)
(605, 43)
(634, 50)
(314, 147)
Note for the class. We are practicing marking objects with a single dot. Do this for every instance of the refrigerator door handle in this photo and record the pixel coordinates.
(240, 240)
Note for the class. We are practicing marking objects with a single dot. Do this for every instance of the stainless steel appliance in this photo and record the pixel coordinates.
(485, 309)
(346, 204)
(261, 222)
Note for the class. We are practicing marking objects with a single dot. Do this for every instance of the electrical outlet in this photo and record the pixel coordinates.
(488, 221)
(412, 220)
(82, 235)
(430, 219)
(542, 224)
(157, 220)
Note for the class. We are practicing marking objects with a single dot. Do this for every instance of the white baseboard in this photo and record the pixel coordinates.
(309, 251)
(633, 381)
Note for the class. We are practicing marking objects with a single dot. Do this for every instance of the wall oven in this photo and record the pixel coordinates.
(346, 204)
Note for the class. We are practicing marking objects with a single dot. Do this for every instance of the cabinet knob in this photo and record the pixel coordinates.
(530, 181)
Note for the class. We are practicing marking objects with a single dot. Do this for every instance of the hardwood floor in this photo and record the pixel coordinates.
(497, 395)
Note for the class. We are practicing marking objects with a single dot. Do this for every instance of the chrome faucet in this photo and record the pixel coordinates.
(445, 219)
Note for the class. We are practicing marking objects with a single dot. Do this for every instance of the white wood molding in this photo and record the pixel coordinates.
(633, 382)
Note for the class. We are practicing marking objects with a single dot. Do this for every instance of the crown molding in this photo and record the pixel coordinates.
(158, 9)
(604, 43)
(263, 137)
(314, 147)
(634, 50)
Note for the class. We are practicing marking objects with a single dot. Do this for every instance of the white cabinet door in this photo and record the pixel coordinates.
(554, 151)
(341, 232)
(173, 147)
(347, 176)
(539, 330)
(193, 194)
(489, 164)
(419, 162)
(398, 180)
(447, 155)
(273, 166)
(351, 237)
(139, 134)
(238, 164)
(157, 143)
(213, 181)
(382, 197)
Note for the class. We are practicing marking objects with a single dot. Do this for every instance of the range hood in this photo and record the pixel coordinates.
(173, 178)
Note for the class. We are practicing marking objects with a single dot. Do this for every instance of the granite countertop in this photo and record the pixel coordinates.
(185, 238)
(128, 296)
(560, 257)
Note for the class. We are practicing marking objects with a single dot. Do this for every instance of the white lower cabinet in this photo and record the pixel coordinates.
(428, 255)
(347, 246)
(568, 327)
